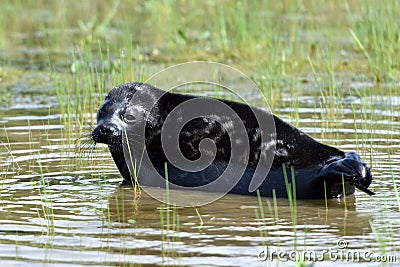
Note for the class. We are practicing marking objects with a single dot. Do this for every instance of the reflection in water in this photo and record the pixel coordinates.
(239, 213)
(229, 227)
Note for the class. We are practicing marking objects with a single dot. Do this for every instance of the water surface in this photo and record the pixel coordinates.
(60, 207)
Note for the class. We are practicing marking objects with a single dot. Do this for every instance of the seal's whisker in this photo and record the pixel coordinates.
(87, 146)
(88, 150)
(84, 144)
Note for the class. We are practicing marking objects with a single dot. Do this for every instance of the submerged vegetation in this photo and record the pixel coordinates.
(331, 68)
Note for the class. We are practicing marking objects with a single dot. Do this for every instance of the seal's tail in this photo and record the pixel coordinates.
(352, 168)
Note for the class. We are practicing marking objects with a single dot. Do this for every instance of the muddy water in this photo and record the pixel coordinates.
(61, 208)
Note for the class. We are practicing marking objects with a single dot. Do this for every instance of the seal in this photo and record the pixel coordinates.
(300, 164)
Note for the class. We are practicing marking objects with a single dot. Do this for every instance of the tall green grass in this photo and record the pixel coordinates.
(253, 34)
(376, 34)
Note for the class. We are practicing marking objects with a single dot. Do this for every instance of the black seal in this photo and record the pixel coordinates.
(314, 169)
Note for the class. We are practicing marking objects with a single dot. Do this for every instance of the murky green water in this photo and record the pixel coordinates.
(57, 212)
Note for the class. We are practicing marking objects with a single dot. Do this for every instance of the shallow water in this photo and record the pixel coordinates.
(59, 207)
(63, 207)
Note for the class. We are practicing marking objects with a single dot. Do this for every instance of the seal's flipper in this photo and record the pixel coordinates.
(351, 168)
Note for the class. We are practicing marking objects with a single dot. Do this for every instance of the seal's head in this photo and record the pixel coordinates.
(110, 115)
(349, 168)
(110, 122)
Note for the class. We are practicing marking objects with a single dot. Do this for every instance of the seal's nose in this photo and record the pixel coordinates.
(104, 133)
(351, 168)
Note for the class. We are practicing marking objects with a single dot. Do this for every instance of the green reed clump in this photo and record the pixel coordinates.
(273, 208)
(93, 72)
(377, 36)
(169, 224)
(364, 122)
(291, 194)
(47, 205)
(254, 34)
(260, 215)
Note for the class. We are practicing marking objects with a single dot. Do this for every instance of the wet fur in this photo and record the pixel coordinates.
(313, 163)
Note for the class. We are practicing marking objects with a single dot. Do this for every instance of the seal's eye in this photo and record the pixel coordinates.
(129, 118)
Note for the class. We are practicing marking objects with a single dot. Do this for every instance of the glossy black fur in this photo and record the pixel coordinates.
(310, 162)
